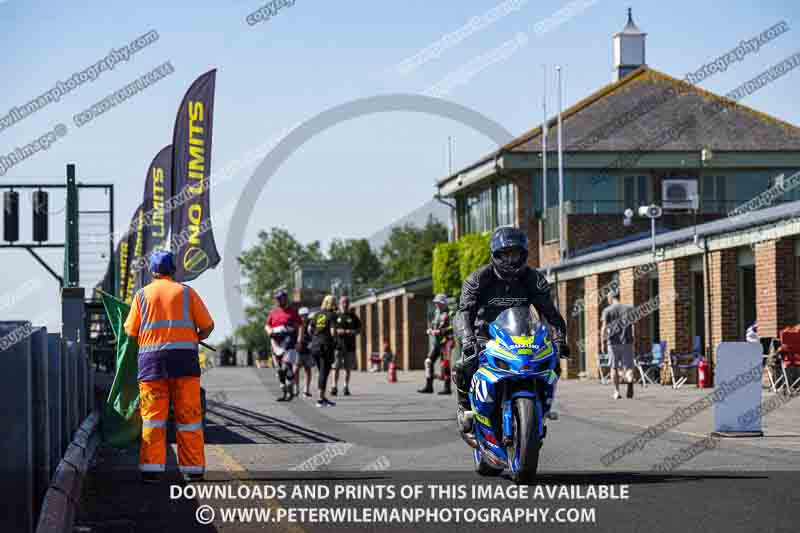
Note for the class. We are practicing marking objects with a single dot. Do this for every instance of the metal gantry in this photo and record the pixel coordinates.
(71, 244)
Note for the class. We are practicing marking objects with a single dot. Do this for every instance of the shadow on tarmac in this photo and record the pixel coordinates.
(114, 500)
(628, 478)
(230, 424)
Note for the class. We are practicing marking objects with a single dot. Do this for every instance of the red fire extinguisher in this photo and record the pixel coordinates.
(392, 372)
(703, 374)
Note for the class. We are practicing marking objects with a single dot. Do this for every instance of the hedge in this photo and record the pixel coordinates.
(446, 270)
(454, 261)
(473, 252)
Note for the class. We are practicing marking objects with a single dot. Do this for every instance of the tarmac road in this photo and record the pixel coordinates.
(389, 435)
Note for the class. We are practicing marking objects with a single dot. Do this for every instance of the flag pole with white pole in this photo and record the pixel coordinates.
(561, 247)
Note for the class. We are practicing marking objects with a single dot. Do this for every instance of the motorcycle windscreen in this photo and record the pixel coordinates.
(518, 321)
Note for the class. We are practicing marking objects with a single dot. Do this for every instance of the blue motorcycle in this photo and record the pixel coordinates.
(511, 394)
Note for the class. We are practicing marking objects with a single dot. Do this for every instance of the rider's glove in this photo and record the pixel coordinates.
(562, 347)
(469, 346)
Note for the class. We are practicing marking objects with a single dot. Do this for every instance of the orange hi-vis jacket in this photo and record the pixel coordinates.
(165, 316)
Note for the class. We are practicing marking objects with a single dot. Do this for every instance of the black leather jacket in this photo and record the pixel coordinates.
(485, 295)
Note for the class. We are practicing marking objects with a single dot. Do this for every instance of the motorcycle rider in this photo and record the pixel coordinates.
(441, 331)
(507, 281)
(282, 326)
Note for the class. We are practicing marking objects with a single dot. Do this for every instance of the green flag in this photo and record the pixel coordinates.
(122, 422)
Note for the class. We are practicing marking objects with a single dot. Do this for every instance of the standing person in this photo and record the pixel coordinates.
(506, 282)
(616, 332)
(751, 334)
(304, 357)
(282, 327)
(388, 356)
(441, 331)
(347, 327)
(168, 320)
(322, 345)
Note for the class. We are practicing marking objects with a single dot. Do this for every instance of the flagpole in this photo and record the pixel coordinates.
(561, 247)
(544, 142)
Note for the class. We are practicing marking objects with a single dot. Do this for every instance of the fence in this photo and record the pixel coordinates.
(48, 390)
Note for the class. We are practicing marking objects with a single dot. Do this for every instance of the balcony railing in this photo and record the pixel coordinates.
(615, 207)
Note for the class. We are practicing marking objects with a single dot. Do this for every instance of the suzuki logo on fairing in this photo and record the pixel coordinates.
(508, 302)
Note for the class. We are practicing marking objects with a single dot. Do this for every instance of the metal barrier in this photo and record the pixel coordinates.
(48, 390)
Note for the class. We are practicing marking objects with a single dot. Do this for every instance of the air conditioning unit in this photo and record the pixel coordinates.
(679, 194)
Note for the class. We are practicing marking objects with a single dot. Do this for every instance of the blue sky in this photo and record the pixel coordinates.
(360, 176)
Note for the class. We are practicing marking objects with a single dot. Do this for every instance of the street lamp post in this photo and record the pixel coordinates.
(652, 212)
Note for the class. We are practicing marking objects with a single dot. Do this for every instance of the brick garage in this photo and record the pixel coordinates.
(700, 285)
(397, 315)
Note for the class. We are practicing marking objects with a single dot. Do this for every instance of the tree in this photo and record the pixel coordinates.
(367, 268)
(408, 253)
(269, 265)
(252, 335)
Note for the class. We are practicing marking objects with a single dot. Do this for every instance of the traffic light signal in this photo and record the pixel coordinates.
(40, 216)
(11, 216)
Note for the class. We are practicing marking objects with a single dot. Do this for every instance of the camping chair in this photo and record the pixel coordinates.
(651, 362)
(684, 361)
(770, 356)
(789, 354)
(603, 365)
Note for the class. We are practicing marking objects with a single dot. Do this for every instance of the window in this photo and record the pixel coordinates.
(635, 191)
(713, 194)
(506, 204)
(478, 212)
(597, 194)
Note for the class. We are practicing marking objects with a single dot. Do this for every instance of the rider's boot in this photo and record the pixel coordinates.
(446, 389)
(285, 396)
(428, 388)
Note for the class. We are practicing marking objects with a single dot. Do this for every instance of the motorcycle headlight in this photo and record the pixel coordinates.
(499, 363)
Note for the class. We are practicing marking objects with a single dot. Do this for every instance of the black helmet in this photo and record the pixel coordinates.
(508, 238)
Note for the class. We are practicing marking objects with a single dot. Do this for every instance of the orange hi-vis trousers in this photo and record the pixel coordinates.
(154, 398)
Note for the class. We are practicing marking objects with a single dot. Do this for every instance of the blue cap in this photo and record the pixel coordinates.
(162, 262)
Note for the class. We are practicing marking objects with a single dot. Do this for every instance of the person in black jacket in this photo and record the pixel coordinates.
(346, 329)
(323, 345)
(506, 282)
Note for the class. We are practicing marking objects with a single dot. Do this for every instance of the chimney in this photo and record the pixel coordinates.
(628, 49)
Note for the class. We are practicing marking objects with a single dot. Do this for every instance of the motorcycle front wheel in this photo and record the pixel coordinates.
(526, 443)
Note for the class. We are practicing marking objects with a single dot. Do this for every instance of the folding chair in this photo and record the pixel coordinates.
(770, 347)
(652, 362)
(692, 361)
(603, 364)
(789, 354)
